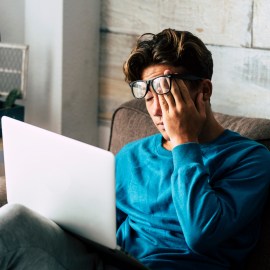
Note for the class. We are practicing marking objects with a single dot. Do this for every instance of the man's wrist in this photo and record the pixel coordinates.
(183, 140)
(187, 153)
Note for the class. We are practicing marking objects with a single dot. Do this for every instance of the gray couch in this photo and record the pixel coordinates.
(131, 121)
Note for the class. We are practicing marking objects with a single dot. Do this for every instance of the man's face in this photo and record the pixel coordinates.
(151, 98)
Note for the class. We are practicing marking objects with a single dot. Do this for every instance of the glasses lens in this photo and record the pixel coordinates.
(162, 85)
(139, 89)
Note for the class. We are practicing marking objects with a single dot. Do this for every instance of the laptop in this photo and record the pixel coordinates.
(65, 180)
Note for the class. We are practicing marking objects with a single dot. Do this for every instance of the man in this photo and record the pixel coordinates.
(190, 197)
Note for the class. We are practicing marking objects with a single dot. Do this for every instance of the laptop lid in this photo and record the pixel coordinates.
(68, 181)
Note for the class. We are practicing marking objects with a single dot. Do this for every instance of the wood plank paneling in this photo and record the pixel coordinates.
(216, 22)
(113, 90)
(133, 17)
(241, 81)
(261, 24)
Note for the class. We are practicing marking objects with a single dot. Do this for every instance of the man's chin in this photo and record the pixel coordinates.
(165, 135)
(166, 141)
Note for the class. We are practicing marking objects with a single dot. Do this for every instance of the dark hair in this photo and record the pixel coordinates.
(171, 47)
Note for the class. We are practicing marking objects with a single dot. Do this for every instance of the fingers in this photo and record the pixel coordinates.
(164, 104)
(178, 96)
(168, 96)
(180, 92)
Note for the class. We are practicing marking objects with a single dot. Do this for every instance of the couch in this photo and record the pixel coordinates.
(131, 121)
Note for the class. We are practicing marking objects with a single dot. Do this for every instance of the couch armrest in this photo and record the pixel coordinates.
(3, 195)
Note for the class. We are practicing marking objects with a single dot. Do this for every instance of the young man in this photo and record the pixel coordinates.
(189, 197)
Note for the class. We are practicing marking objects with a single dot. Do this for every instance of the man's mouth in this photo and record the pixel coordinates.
(160, 125)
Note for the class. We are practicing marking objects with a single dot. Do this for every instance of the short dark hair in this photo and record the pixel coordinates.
(170, 47)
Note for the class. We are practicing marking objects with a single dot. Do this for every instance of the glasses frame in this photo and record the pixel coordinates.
(148, 83)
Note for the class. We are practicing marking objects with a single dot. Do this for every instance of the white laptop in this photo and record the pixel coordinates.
(69, 182)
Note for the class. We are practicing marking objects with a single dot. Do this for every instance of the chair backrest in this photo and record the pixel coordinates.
(131, 122)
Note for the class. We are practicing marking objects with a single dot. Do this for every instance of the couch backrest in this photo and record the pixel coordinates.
(131, 122)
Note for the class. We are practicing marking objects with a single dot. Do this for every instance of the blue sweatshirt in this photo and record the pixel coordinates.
(195, 207)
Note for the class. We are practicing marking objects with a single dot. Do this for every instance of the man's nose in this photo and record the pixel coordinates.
(156, 109)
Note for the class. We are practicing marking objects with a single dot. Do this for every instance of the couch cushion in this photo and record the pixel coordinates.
(254, 128)
(130, 122)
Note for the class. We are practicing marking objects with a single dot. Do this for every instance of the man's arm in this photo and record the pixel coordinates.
(210, 214)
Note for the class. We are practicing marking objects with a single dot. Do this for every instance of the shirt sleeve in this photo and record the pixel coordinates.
(211, 213)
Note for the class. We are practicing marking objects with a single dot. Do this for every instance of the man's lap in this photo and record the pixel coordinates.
(30, 241)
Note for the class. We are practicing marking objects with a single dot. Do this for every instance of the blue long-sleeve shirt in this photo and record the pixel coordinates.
(195, 207)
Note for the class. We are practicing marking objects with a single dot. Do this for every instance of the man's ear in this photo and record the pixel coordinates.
(206, 89)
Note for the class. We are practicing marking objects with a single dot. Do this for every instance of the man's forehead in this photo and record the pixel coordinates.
(157, 70)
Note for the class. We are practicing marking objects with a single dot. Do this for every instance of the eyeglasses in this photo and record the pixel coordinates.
(161, 84)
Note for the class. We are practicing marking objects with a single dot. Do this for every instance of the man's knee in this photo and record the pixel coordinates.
(18, 215)
(12, 214)
(20, 226)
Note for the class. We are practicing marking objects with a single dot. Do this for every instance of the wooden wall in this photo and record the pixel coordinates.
(236, 32)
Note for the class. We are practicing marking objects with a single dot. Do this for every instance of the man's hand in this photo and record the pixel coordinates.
(183, 120)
